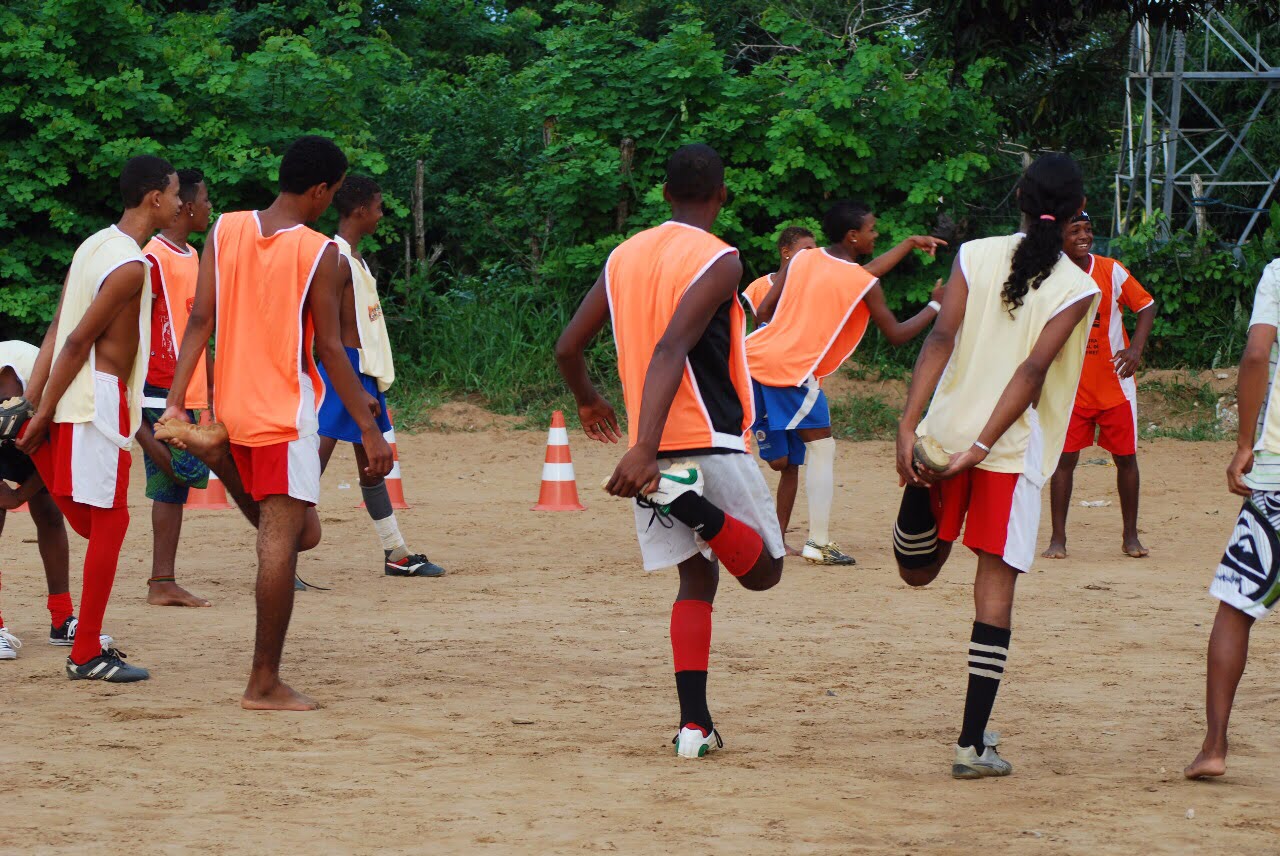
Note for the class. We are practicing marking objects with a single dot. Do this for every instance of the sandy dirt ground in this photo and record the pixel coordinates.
(525, 702)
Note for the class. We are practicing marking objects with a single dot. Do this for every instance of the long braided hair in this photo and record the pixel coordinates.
(1050, 193)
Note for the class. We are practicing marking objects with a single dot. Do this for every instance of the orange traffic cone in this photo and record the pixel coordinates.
(395, 485)
(214, 497)
(559, 488)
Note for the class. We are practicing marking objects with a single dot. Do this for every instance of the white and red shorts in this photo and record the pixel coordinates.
(281, 469)
(1000, 514)
(89, 461)
(1116, 429)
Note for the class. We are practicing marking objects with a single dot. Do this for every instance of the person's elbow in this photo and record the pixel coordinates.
(1257, 354)
(1034, 372)
(567, 349)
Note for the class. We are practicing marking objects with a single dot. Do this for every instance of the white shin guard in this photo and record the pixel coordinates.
(819, 484)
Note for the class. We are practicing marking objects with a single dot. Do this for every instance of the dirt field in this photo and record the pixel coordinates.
(525, 704)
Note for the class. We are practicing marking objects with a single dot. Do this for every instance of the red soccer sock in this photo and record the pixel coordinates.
(737, 546)
(691, 635)
(106, 536)
(1, 621)
(60, 608)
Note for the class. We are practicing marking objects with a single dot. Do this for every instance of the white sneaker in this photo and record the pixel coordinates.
(690, 742)
(968, 764)
(677, 478)
(9, 645)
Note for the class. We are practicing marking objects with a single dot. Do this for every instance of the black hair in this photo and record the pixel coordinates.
(309, 161)
(357, 190)
(791, 234)
(189, 184)
(140, 176)
(842, 218)
(694, 173)
(1050, 193)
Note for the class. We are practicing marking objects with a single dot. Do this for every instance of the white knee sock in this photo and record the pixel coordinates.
(819, 486)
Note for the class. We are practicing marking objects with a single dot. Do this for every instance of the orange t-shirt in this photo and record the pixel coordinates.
(176, 273)
(819, 321)
(266, 386)
(757, 291)
(1100, 387)
(645, 279)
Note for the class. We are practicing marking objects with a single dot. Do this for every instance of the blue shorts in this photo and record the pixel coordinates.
(782, 411)
(335, 421)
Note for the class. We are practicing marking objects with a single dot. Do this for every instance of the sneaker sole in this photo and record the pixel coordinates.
(8, 655)
(400, 573)
(964, 771)
(62, 643)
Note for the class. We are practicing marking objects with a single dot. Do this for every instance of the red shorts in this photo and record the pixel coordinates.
(281, 469)
(87, 462)
(1000, 513)
(1116, 429)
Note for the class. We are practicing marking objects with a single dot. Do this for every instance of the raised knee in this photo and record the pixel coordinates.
(917, 577)
(310, 536)
(779, 464)
(754, 581)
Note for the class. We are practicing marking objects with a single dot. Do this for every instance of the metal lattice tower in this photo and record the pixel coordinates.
(1167, 165)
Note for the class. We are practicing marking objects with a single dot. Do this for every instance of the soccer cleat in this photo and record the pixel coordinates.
(9, 645)
(692, 743)
(826, 554)
(968, 764)
(416, 565)
(65, 636)
(14, 413)
(108, 666)
(677, 479)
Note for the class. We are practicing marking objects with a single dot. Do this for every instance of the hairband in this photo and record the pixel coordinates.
(1047, 217)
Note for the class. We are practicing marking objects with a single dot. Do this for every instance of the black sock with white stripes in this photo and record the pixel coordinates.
(915, 532)
(988, 650)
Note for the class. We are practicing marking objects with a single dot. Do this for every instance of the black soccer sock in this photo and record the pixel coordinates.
(698, 514)
(915, 532)
(988, 650)
(691, 686)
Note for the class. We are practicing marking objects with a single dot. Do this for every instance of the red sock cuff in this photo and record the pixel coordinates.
(737, 546)
(60, 608)
(691, 635)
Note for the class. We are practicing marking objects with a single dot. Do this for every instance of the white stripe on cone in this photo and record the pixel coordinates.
(395, 470)
(557, 472)
(389, 435)
(558, 437)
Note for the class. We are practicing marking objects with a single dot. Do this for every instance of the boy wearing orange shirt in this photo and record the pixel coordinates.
(1107, 398)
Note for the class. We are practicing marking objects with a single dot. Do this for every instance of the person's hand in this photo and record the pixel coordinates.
(926, 244)
(33, 434)
(1241, 464)
(378, 451)
(635, 474)
(960, 461)
(599, 421)
(939, 289)
(1126, 361)
(905, 459)
(173, 411)
(371, 401)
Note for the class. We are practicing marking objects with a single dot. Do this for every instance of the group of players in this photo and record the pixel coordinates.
(301, 361)
(1026, 363)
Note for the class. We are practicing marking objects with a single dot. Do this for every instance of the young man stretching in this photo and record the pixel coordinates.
(672, 294)
(1107, 400)
(172, 472)
(272, 286)
(86, 390)
(792, 240)
(1247, 581)
(815, 315)
(368, 350)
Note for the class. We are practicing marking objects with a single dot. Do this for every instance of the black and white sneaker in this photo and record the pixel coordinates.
(416, 565)
(108, 666)
(65, 636)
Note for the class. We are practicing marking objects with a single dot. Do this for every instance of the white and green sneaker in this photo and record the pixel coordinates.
(678, 478)
(825, 554)
(692, 743)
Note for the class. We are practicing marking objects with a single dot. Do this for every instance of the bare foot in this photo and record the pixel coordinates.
(278, 697)
(1205, 766)
(1133, 547)
(791, 551)
(206, 442)
(1056, 550)
(171, 594)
